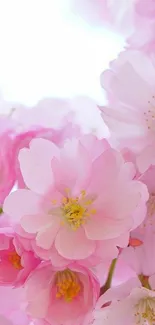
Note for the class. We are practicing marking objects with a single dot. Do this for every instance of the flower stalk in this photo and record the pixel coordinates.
(107, 284)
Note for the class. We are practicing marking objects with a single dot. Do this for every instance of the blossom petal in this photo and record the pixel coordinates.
(99, 227)
(74, 244)
(21, 202)
(106, 250)
(47, 234)
(39, 306)
(32, 223)
(77, 175)
(5, 321)
(35, 164)
(146, 158)
(106, 178)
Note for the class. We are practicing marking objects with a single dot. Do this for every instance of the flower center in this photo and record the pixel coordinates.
(145, 311)
(74, 213)
(67, 284)
(77, 210)
(15, 260)
(150, 115)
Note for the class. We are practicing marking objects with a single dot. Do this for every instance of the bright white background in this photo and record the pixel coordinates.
(45, 50)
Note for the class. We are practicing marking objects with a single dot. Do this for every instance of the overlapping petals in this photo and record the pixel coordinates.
(73, 290)
(76, 207)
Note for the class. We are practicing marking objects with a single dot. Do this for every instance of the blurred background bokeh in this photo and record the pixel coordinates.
(48, 49)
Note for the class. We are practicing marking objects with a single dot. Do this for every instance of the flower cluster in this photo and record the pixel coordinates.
(77, 212)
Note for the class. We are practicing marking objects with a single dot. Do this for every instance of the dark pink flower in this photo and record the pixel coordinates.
(15, 262)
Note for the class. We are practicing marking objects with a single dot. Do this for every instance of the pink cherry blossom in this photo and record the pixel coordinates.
(7, 163)
(79, 198)
(130, 304)
(23, 139)
(61, 295)
(15, 262)
(130, 115)
(50, 119)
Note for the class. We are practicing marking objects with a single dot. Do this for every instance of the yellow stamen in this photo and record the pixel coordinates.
(93, 211)
(83, 193)
(64, 200)
(15, 260)
(88, 202)
(68, 285)
(74, 213)
(76, 210)
(67, 190)
(145, 311)
(54, 202)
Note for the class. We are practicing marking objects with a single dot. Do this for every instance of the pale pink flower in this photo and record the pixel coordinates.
(131, 114)
(51, 119)
(79, 198)
(23, 139)
(130, 304)
(15, 262)
(61, 295)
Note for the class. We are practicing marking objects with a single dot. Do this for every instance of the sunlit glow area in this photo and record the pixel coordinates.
(45, 51)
